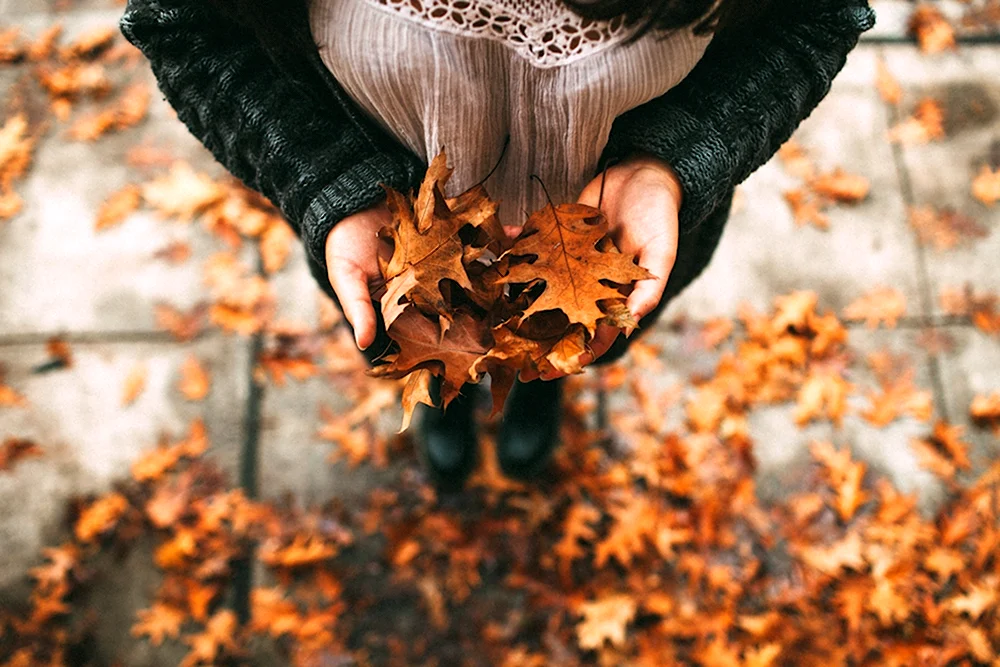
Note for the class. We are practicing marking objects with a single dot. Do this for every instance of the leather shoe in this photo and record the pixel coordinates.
(447, 439)
(530, 427)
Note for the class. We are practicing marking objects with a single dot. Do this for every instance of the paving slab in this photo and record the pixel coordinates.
(764, 254)
(60, 275)
(90, 440)
(941, 173)
(972, 368)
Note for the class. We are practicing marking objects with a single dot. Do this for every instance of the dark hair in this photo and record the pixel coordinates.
(282, 25)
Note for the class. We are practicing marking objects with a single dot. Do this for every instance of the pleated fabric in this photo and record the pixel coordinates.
(439, 83)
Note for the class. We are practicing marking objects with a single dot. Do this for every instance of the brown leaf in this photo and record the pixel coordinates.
(135, 384)
(986, 185)
(276, 245)
(880, 305)
(888, 87)
(117, 207)
(175, 252)
(925, 125)
(158, 622)
(604, 620)
(182, 326)
(100, 517)
(560, 246)
(15, 450)
(841, 186)
(944, 229)
(416, 391)
(807, 209)
(453, 356)
(933, 31)
(195, 380)
(183, 193)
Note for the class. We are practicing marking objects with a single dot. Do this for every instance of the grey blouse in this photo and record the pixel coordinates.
(464, 74)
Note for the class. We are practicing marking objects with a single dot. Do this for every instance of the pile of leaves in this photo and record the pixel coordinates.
(461, 299)
(647, 544)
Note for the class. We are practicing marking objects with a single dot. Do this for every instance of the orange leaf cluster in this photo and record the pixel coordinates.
(821, 190)
(982, 309)
(461, 300)
(933, 31)
(925, 125)
(944, 229)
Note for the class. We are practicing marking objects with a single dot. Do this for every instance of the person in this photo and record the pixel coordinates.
(669, 103)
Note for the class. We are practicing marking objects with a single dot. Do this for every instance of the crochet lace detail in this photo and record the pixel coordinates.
(545, 32)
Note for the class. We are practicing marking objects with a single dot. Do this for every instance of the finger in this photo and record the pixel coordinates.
(657, 257)
(603, 340)
(351, 286)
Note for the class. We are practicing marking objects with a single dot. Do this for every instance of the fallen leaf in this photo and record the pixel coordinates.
(604, 620)
(15, 450)
(116, 208)
(880, 305)
(135, 384)
(100, 517)
(887, 85)
(195, 380)
(943, 229)
(158, 622)
(933, 31)
(986, 185)
(925, 125)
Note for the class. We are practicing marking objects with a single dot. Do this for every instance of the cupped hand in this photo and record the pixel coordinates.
(642, 198)
(352, 252)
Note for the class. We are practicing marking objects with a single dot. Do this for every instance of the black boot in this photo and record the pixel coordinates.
(530, 427)
(447, 439)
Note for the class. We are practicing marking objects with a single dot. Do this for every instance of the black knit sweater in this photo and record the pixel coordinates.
(292, 133)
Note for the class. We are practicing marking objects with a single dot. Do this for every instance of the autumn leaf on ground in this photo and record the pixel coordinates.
(16, 148)
(9, 398)
(898, 396)
(796, 161)
(183, 326)
(933, 31)
(845, 476)
(195, 380)
(832, 558)
(841, 186)
(276, 245)
(943, 452)
(127, 111)
(985, 410)
(100, 517)
(945, 228)
(982, 309)
(15, 450)
(986, 185)
(175, 252)
(604, 620)
(89, 44)
(925, 125)
(823, 394)
(183, 193)
(135, 384)
(217, 642)
(159, 622)
(882, 305)
(887, 85)
(117, 207)
(807, 209)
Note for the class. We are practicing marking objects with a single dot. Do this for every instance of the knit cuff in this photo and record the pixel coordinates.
(351, 192)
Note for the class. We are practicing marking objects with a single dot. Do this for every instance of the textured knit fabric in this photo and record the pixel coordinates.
(292, 132)
(440, 79)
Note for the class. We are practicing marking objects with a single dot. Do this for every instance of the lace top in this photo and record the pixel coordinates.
(464, 74)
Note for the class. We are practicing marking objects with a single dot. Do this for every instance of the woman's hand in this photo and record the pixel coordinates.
(642, 197)
(352, 250)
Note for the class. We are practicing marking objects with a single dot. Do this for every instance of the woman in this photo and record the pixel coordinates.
(314, 103)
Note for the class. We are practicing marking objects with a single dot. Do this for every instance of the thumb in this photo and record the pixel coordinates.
(350, 285)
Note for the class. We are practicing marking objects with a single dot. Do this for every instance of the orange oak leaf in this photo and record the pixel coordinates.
(945, 228)
(925, 125)
(453, 355)
(560, 246)
(14, 450)
(100, 517)
(880, 305)
(183, 326)
(159, 622)
(604, 620)
(933, 31)
(117, 207)
(986, 185)
(417, 390)
(135, 384)
(218, 639)
(195, 380)
(887, 85)
(183, 193)
(841, 186)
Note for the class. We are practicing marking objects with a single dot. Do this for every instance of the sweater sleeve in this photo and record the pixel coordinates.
(317, 161)
(742, 101)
